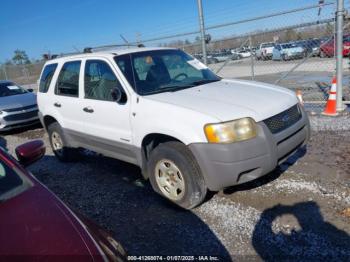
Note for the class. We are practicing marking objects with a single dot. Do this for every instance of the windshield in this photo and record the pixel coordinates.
(346, 38)
(288, 45)
(10, 89)
(314, 43)
(157, 71)
(267, 45)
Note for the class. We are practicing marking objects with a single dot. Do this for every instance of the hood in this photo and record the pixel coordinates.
(35, 222)
(16, 101)
(232, 99)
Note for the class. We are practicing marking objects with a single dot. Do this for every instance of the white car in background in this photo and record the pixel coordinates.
(287, 51)
(188, 130)
(245, 53)
(264, 51)
(18, 106)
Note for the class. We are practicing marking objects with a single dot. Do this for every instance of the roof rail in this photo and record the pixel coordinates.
(89, 50)
(106, 47)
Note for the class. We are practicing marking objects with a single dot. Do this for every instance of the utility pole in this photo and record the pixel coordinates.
(339, 53)
(251, 59)
(202, 29)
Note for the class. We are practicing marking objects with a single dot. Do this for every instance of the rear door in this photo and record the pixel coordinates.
(67, 97)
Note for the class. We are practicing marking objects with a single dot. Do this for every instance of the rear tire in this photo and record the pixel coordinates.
(285, 57)
(59, 144)
(175, 174)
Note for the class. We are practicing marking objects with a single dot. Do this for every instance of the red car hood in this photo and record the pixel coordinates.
(37, 223)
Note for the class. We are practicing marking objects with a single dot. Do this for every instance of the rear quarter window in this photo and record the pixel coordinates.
(46, 77)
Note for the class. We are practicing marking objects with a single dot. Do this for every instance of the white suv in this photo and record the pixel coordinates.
(189, 130)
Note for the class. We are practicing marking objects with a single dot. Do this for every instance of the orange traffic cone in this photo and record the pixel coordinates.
(331, 106)
(300, 96)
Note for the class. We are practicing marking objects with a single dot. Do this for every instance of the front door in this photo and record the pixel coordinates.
(107, 123)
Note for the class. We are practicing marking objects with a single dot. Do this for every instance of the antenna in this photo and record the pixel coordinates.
(124, 39)
(75, 48)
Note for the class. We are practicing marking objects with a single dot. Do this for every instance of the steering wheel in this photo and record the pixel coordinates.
(181, 74)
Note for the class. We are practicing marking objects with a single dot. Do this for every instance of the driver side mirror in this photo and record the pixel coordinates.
(118, 95)
(31, 90)
(30, 152)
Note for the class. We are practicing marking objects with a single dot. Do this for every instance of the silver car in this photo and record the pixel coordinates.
(18, 106)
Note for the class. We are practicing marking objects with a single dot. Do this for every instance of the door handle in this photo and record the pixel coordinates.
(57, 104)
(88, 109)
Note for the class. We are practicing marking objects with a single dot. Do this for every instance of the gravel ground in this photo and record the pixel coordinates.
(300, 211)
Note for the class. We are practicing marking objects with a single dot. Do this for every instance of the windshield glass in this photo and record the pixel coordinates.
(288, 45)
(314, 43)
(157, 71)
(267, 45)
(9, 179)
(10, 89)
(346, 38)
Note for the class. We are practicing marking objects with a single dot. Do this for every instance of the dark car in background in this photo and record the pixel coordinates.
(210, 59)
(227, 55)
(18, 106)
(35, 224)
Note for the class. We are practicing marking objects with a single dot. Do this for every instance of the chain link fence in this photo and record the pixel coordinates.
(294, 48)
(24, 74)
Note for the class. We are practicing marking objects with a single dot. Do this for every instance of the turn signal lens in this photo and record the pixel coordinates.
(233, 131)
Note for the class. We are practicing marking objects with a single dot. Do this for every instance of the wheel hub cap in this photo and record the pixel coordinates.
(57, 143)
(169, 179)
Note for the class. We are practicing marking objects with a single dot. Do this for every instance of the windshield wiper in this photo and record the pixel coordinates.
(204, 81)
(170, 88)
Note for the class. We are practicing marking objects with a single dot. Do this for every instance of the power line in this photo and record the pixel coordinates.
(237, 22)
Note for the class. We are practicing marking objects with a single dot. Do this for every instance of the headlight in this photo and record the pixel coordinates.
(233, 131)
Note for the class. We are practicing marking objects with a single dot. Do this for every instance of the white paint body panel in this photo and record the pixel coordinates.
(182, 114)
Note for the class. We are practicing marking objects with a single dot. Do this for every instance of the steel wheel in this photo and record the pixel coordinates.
(57, 143)
(170, 180)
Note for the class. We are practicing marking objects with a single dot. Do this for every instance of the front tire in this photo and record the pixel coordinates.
(59, 144)
(175, 174)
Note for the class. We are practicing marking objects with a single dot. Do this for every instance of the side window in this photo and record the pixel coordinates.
(68, 79)
(100, 81)
(9, 180)
(46, 78)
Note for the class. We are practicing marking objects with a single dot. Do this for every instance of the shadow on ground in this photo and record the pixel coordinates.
(312, 235)
(113, 194)
(24, 131)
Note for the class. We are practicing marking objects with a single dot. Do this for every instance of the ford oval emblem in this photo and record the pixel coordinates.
(285, 118)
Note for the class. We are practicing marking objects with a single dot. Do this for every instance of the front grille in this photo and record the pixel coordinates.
(23, 116)
(283, 120)
(20, 108)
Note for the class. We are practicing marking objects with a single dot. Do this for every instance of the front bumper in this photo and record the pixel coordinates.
(224, 165)
(295, 55)
(19, 118)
